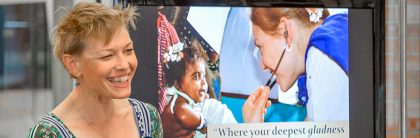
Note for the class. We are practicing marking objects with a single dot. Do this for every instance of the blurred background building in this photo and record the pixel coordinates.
(32, 81)
(402, 29)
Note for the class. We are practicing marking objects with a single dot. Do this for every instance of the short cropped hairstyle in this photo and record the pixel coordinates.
(89, 20)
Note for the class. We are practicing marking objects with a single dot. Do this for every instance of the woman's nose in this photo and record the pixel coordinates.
(122, 63)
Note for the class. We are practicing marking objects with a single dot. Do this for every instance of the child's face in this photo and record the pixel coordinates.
(194, 82)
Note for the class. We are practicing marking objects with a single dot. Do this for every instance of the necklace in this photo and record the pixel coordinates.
(98, 132)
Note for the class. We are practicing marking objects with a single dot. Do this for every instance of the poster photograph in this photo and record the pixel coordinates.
(252, 72)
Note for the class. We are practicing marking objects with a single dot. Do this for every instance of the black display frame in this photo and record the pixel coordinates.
(367, 66)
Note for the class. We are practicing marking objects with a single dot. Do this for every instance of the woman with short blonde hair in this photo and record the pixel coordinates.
(94, 45)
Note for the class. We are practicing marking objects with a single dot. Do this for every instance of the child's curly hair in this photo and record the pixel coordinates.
(191, 54)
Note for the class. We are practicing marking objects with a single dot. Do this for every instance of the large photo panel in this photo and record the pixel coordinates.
(204, 62)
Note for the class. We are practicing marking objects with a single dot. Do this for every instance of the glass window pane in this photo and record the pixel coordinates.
(25, 84)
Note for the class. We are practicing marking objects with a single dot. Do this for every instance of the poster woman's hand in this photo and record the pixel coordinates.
(255, 106)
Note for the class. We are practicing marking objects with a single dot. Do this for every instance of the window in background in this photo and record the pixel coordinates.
(25, 72)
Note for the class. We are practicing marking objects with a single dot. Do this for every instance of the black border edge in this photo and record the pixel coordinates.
(379, 69)
(256, 3)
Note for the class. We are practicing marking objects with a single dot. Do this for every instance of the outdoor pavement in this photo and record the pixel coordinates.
(20, 109)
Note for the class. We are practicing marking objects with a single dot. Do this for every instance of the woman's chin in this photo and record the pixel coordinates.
(122, 94)
(283, 85)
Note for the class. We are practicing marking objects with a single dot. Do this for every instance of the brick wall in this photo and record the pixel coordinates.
(412, 68)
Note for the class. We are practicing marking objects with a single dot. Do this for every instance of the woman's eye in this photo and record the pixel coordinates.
(129, 51)
(107, 57)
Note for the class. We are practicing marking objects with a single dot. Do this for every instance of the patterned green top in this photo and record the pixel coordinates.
(146, 116)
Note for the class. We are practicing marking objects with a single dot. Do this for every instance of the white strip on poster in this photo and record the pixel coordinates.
(335, 129)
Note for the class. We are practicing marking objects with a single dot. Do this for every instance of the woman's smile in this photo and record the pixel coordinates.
(120, 81)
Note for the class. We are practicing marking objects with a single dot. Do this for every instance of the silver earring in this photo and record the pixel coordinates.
(288, 49)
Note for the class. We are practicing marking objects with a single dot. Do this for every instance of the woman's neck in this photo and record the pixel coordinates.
(304, 36)
(301, 41)
(91, 106)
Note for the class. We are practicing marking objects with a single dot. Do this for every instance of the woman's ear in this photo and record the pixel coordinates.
(287, 29)
(71, 64)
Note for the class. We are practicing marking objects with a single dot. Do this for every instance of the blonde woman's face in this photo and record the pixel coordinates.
(108, 69)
